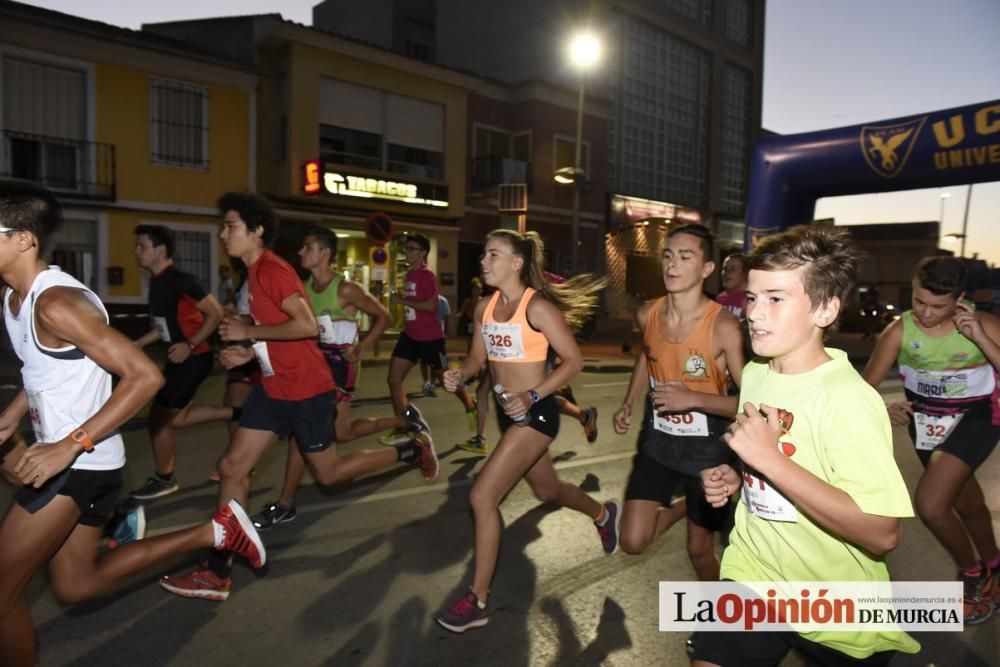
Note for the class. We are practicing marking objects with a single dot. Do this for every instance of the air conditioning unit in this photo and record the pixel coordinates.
(512, 198)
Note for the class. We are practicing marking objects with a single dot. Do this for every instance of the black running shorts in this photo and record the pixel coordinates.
(431, 352)
(182, 380)
(544, 417)
(650, 480)
(95, 492)
(309, 420)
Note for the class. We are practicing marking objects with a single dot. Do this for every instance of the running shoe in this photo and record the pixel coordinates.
(273, 514)
(590, 423)
(428, 460)
(429, 390)
(128, 524)
(202, 584)
(154, 487)
(980, 595)
(415, 422)
(464, 615)
(609, 531)
(396, 436)
(475, 445)
(239, 534)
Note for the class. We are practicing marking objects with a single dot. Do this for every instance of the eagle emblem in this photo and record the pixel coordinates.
(886, 148)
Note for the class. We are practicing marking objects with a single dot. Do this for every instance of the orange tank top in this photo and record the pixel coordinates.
(692, 361)
(514, 340)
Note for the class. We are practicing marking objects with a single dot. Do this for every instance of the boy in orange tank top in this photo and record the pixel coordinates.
(690, 343)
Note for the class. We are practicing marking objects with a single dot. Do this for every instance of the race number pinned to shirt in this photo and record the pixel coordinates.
(36, 410)
(263, 358)
(503, 341)
(764, 500)
(682, 424)
(160, 324)
(409, 313)
(336, 332)
(932, 430)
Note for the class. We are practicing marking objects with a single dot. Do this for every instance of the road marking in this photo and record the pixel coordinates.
(406, 493)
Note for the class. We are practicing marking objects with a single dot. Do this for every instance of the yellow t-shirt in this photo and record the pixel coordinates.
(838, 429)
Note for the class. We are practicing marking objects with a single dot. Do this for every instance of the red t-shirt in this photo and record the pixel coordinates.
(734, 302)
(420, 324)
(299, 368)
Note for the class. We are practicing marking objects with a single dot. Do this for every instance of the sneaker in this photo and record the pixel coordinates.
(202, 584)
(239, 534)
(475, 445)
(472, 419)
(415, 420)
(980, 595)
(428, 460)
(609, 531)
(429, 390)
(154, 487)
(467, 613)
(127, 525)
(272, 515)
(590, 423)
(396, 436)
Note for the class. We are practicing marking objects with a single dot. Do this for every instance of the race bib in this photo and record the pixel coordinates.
(263, 358)
(39, 422)
(683, 424)
(765, 501)
(932, 430)
(160, 324)
(409, 313)
(336, 332)
(503, 341)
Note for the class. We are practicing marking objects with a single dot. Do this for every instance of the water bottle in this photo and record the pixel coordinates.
(503, 397)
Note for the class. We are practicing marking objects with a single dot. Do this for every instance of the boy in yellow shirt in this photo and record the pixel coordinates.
(822, 495)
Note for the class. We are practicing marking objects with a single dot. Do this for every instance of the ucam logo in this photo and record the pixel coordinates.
(886, 148)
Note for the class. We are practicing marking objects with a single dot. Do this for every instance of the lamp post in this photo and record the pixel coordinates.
(943, 196)
(965, 220)
(584, 52)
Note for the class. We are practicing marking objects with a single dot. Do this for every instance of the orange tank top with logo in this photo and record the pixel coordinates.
(514, 340)
(692, 360)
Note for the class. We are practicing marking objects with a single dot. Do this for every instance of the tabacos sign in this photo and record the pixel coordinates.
(319, 180)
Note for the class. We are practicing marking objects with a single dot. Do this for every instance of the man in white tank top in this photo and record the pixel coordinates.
(71, 476)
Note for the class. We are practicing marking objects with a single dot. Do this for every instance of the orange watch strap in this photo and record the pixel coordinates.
(82, 437)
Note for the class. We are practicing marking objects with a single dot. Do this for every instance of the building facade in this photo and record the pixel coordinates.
(126, 129)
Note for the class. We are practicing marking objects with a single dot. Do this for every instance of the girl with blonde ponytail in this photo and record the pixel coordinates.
(515, 328)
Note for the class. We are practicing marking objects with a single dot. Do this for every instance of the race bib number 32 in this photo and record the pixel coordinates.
(932, 430)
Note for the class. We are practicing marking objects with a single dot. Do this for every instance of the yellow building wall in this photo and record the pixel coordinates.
(123, 119)
(307, 65)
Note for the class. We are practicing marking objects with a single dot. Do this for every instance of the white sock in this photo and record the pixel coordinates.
(220, 534)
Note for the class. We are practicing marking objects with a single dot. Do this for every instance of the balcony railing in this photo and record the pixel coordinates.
(486, 173)
(80, 169)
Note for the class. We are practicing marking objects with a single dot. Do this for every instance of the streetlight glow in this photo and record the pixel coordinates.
(584, 50)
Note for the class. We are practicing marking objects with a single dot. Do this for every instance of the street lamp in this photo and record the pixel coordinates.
(943, 196)
(584, 53)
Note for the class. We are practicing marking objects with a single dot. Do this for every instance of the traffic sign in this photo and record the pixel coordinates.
(378, 228)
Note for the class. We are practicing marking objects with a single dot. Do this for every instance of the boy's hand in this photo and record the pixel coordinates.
(967, 322)
(451, 379)
(901, 413)
(754, 436)
(623, 419)
(674, 396)
(719, 483)
(234, 328)
(235, 355)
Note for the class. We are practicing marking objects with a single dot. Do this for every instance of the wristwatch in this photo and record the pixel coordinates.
(82, 437)
(534, 396)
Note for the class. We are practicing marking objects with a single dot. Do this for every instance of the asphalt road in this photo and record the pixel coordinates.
(356, 578)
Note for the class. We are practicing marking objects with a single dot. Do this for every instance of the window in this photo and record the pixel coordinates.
(193, 253)
(76, 250)
(350, 147)
(735, 138)
(178, 123)
(739, 21)
(490, 142)
(696, 10)
(565, 154)
(415, 162)
(522, 147)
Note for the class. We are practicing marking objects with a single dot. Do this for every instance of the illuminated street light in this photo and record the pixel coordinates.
(584, 50)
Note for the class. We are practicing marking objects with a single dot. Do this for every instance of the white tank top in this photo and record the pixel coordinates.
(64, 387)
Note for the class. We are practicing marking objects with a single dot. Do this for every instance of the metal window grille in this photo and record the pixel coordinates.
(512, 198)
(193, 253)
(179, 123)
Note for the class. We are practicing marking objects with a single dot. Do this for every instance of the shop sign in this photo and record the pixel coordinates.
(320, 180)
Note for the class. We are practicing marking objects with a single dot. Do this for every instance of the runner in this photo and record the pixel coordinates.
(821, 494)
(422, 337)
(517, 330)
(948, 357)
(183, 315)
(477, 444)
(444, 312)
(72, 475)
(733, 296)
(296, 395)
(690, 342)
(337, 303)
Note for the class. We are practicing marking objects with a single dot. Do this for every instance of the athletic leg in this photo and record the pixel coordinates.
(398, 369)
(972, 511)
(935, 499)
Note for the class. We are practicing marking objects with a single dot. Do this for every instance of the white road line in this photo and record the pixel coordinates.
(414, 491)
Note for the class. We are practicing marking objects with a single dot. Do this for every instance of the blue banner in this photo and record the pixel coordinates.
(789, 173)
